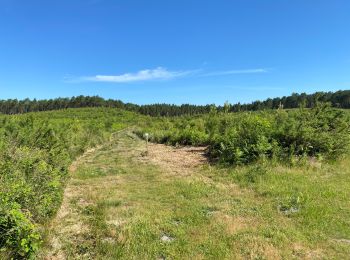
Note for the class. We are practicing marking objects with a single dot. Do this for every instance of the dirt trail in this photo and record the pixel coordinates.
(122, 203)
(68, 225)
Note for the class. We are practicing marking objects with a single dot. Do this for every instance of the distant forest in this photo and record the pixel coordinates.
(339, 99)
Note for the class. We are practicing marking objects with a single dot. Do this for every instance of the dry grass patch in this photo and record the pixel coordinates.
(235, 224)
(180, 161)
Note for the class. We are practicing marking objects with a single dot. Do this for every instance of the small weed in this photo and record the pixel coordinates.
(292, 204)
(254, 174)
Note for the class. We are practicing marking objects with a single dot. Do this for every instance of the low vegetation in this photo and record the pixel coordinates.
(35, 152)
(277, 185)
(242, 138)
(122, 204)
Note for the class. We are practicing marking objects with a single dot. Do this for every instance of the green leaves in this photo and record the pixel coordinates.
(35, 153)
(18, 234)
(245, 137)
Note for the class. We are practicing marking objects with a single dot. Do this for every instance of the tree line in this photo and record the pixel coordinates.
(338, 99)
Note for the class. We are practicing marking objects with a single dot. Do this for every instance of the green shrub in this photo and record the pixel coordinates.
(19, 237)
(254, 174)
(35, 152)
(247, 139)
(321, 131)
(242, 138)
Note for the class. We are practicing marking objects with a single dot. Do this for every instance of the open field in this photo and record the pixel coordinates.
(121, 203)
(174, 202)
(164, 130)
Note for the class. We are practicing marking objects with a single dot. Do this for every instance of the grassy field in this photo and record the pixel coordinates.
(262, 185)
(123, 203)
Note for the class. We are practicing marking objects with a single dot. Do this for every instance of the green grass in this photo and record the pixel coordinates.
(128, 206)
(119, 204)
(36, 150)
(316, 199)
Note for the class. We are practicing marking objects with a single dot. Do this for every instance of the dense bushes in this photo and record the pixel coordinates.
(175, 131)
(243, 140)
(31, 182)
(319, 132)
(19, 236)
(245, 137)
(35, 152)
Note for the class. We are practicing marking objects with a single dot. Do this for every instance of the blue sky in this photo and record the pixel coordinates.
(174, 51)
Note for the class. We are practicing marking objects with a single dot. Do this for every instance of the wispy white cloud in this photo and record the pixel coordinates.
(159, 73)
(231, 72)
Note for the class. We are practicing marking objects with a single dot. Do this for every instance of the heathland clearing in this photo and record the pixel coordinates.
(171, 203)
(269, 184)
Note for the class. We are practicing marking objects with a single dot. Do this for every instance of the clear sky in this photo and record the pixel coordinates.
(173, 51)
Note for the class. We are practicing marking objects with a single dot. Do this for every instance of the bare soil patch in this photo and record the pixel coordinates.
(179, 161)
